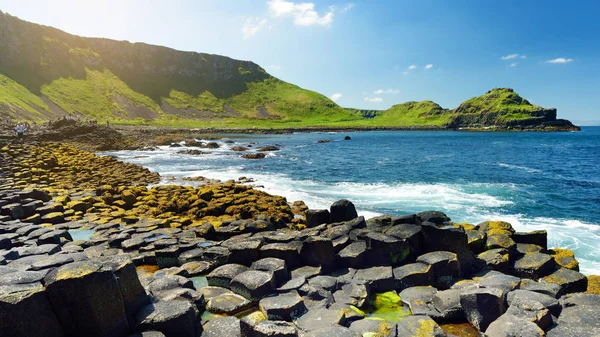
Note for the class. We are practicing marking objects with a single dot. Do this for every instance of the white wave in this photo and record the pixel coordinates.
(517, 167)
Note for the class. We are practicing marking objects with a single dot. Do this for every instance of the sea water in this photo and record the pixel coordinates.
(532, 180)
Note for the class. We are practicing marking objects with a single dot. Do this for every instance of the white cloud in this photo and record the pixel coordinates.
(252, 26)
(429, 66)
(412, 67)
(560, 60)
(304, 13)
(510, 57)
(512, 65)
(374, 99)
(335, 97)
(388, 91)
(273, 68)
(405, 73)
(347, 8)
(523, 56)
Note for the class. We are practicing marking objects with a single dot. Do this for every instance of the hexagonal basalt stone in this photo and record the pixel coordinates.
(534, 265)
(173, 318)
(277, 266)
(26, 311)
(222, 276)
(496, 259)
(411, 275)
(284, 307)
(569, 280)
(275, 329)
(253, 284)
(315, 217)
(342, 210)
(379, 279)
(511, 325)
(223, 326)
(354, 255)
(287, 251)
(419, 326)
(445, 267)
(228, 304)
(482, 306)
(318, 251)
(87, 300)
(320, 318)
(374, 327)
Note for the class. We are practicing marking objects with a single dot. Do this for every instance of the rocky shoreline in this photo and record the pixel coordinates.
(88, 247)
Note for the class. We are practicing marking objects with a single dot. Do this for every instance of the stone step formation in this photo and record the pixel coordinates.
(227, 260)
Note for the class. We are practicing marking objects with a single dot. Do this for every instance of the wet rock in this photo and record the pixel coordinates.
(254, 156)
(315, 217)
(347, 138)
(482, 306)
(283, 307)
(222, 276)
(172, 318)
(412, 274)
(253, 284)
(435, 217)
(26, 311)
(419, 326)
(320, 318)
(5, 243)
(342, 210)
(228, 304)
(534, 265)
(378, 279)
(87, 300)
(268, 148)
(569, 281)
(445, 267)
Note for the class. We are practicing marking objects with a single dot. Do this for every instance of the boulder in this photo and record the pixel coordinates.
(315, 217)
(342, 210)
(172, 318)
(283, 307)
(25, 311)
(447, 303)
(419, 300)
(244, 252)
(331, 331)
(168, 282)
(386, 250)
(353, 293)
(549, 302)
(496, 259)
(531, 310)
(15, 211)
(287, 251)
(5, 243)
(411, 234)
(445, 267)
(505, 283)
(253, 284)
(550, 289)
(449, 239)
(435, 217)
(87, 300)
(482, 306)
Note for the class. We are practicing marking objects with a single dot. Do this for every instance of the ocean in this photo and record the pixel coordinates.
(532, 180)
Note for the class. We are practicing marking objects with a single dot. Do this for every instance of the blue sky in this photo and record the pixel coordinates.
(372, 54)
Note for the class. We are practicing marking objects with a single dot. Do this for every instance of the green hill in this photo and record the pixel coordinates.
(46, 73)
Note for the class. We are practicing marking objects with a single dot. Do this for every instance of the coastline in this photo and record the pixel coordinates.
(229, 236)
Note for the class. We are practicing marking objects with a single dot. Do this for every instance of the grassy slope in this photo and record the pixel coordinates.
(426, 113)
(14, 96)
(504, 101)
